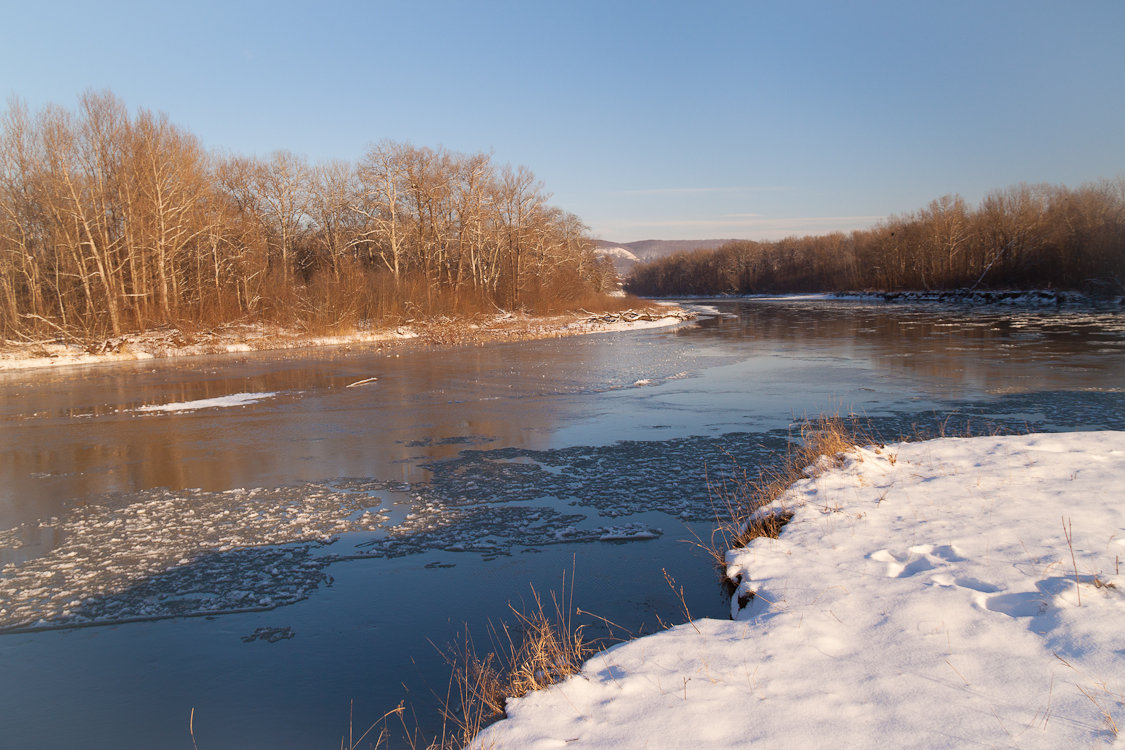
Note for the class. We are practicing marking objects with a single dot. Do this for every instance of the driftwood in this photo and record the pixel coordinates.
(365, 381)
(632, 316)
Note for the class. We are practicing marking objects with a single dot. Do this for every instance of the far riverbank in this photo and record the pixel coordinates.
(178, 341)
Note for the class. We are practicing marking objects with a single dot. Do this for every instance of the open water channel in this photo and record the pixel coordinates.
(250, 538)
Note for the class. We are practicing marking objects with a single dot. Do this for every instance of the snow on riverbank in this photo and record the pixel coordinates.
(241, 338)
(924, 595)
(979, 297)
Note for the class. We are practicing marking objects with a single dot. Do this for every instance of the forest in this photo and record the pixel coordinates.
(113, 222)
(1021, 237)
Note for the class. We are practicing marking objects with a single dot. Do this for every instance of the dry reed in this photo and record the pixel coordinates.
(543, 646)
(739, 500)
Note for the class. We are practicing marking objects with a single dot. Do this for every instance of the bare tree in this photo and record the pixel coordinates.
(383, 184)
(519, 200)
(333, 191)
(164, 188)
(281, 189)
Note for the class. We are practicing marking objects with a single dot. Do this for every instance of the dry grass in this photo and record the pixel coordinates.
(600, 302)
(337, 319)
(543, 646)
(351, 742)
(739, 500)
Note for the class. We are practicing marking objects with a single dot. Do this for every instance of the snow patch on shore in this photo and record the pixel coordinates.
(980, 297)
(924, 595)
(242, 338)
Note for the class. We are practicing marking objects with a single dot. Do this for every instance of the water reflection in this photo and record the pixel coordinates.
(71, 435)
(73, 439)
(74, 434)
(954, 351)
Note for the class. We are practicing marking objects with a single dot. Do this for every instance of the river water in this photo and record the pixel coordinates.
(274, 544)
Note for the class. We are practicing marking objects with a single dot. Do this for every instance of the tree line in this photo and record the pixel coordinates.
(111, 222)
(1023, 237)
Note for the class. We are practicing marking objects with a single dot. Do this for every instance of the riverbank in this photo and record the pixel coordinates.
(1016, 298)
(944, 593)
(987, 297)
(172, 341)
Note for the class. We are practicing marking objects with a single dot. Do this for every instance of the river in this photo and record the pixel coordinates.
(278, 541)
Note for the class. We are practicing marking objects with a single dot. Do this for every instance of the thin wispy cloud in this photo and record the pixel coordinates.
(747, 226)
(751, 220)
(704, 190)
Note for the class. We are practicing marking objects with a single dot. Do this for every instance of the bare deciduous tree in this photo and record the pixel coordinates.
(109, 222)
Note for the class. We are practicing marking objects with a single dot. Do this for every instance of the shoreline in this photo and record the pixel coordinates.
(886, 615)
(168, 342)
(988, 298)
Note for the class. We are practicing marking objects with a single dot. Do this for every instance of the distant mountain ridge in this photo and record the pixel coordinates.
(626, 254)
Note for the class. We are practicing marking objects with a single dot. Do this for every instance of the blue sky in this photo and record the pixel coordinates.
(669, 120)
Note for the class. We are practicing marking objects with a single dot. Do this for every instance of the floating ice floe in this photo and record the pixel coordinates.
(174, 553)
(621, 533)
(219, 402)
(629, 532)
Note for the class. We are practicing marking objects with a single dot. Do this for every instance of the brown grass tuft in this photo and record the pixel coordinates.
(740, 500)
(542, 647)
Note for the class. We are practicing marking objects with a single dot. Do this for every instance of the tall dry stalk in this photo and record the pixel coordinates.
(1068, 532)
(543, 646)
(353, 742)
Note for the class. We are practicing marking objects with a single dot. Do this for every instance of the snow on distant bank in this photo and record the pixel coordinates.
(242, 338)
(171, 342)
(789, 297)
(984, 297)
(924, 595)
(219, 402)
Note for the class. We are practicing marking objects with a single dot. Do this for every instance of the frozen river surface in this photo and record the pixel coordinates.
(251, 538)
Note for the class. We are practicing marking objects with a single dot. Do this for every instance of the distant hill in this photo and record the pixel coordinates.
(626, 254)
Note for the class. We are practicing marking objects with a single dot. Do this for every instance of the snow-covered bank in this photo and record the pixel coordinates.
(170, 341)
(924, 595)
(241, 338)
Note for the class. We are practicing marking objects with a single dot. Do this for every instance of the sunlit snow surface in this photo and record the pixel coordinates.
(924, 595)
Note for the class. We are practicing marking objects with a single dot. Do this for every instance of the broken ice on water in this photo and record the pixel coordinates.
(173, 553)
(160, 553)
